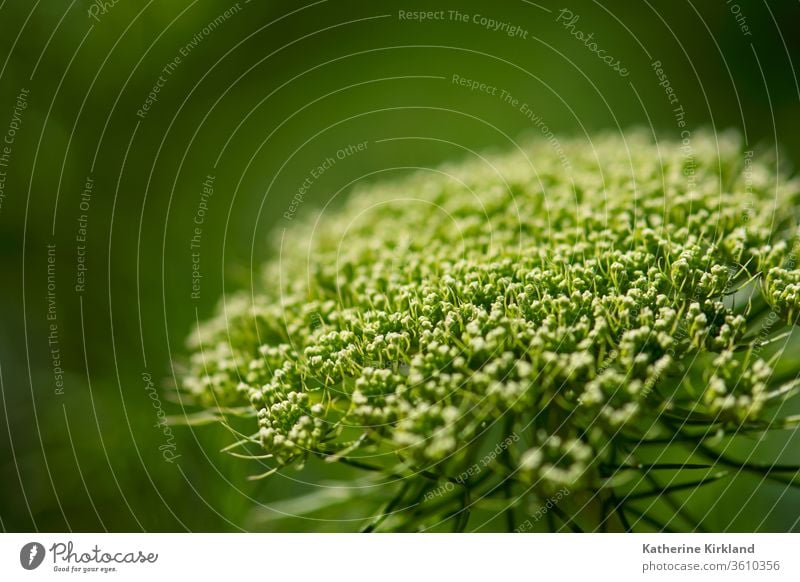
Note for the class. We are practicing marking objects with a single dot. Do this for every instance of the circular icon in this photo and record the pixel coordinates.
(31, 555)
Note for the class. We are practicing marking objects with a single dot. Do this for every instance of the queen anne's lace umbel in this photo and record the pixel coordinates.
(632, 294)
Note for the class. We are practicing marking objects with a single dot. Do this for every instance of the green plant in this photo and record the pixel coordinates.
(497, 332)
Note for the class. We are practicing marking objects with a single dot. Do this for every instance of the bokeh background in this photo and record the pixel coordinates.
(261, 93)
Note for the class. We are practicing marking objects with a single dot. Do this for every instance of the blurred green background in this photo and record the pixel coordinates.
(261, 93)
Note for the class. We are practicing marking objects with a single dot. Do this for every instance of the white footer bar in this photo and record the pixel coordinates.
(400, 557)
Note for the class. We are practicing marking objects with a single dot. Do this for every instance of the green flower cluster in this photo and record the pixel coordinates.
(631, 297)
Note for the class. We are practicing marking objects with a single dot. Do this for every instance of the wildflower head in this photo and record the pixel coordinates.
(587, 311)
